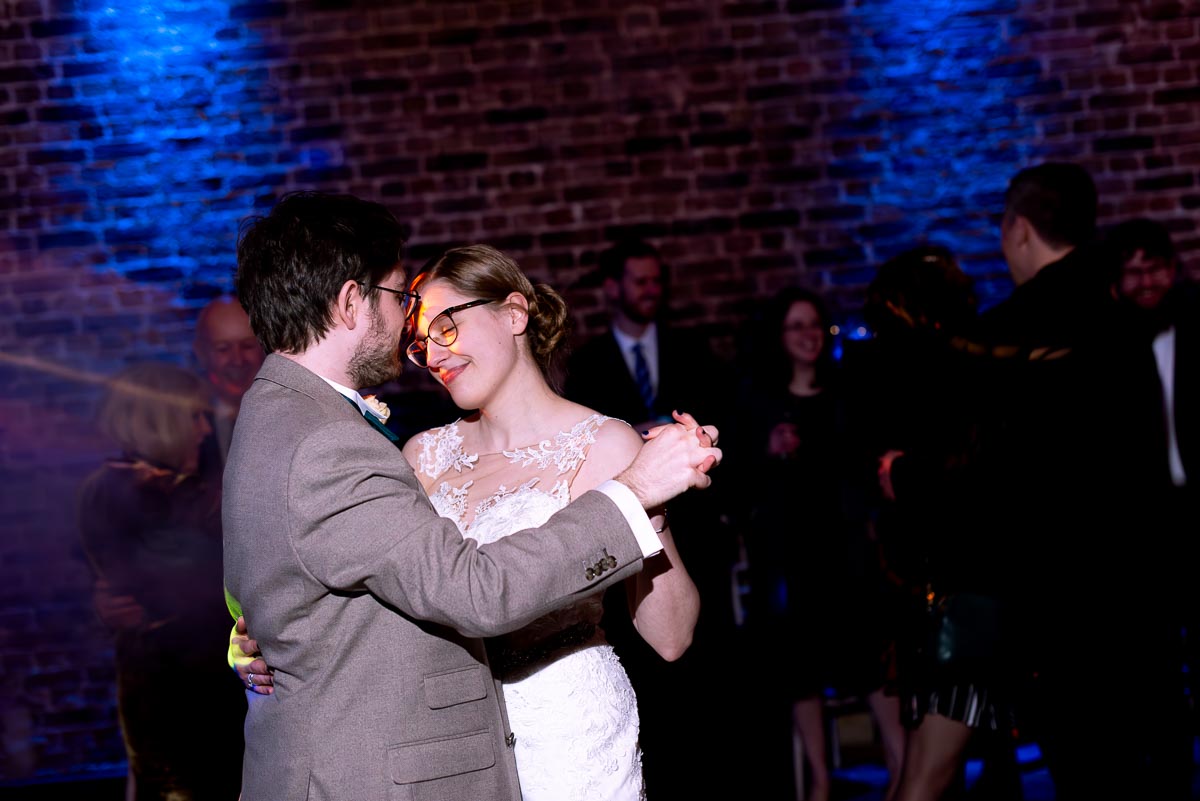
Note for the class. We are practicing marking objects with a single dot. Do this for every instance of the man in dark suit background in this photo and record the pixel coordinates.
(1165, 312)
(639, 370)
(1071, 447)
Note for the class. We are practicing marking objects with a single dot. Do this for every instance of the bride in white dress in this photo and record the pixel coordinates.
(488, 335)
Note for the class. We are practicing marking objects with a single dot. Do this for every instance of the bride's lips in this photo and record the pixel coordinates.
(448, 374)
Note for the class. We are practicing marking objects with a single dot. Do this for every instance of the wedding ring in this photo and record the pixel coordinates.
(250, 681)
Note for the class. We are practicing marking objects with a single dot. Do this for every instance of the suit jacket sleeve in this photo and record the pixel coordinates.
(359, 521)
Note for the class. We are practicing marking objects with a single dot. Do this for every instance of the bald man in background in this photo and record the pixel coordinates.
(229, 357)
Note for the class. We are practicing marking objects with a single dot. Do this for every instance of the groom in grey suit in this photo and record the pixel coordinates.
(366, 603)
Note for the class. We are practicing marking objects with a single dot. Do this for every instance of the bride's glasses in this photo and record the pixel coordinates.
(442, 331)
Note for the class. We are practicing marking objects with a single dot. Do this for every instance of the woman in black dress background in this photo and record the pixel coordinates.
(815, 582)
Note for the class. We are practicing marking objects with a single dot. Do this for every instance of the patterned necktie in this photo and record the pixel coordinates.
(641, 376)
(373, 420)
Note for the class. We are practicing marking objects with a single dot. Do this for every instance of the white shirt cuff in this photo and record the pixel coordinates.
(635, 515)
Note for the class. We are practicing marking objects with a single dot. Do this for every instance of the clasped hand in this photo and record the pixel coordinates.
(676, 457)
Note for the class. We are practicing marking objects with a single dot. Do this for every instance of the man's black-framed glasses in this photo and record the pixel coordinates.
(442, 331)
(408, 300)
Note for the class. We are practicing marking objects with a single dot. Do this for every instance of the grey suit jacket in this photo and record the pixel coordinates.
(369, 605)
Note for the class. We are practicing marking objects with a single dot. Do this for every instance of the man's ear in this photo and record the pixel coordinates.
(1023, 230)
(349, 305)
(518, 310)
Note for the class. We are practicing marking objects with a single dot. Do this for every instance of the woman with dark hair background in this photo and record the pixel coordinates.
(912, 385)
(812, 572)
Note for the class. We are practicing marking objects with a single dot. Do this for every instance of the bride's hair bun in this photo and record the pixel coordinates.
(548, 324)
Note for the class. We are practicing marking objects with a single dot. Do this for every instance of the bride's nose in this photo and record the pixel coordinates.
(435, 354)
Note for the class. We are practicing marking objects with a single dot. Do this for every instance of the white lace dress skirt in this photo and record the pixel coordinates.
(570, 703)
(576, 723)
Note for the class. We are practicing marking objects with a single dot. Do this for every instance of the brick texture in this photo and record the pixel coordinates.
(760, 143)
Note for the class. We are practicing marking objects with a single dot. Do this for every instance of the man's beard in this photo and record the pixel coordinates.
(642, 313)
(377, 358)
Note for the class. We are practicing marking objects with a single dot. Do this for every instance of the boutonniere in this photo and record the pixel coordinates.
(380, 408)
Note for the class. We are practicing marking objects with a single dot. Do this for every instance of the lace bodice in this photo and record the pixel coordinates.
(492, 495)
(570, 705)
(463, 486)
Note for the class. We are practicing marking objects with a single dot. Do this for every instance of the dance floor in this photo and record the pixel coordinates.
(861, 781)
(866, 781)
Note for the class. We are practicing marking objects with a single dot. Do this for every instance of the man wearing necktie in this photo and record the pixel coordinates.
(641, 375)
(639, 370)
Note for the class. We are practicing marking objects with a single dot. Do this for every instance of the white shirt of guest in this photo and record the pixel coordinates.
(1164, 356)
(649, 342)
(628, 504)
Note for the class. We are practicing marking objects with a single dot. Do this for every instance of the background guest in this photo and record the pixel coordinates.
(1163, 310)
(1071, 444)
(639, 370)
(814, 578)
(913, 408)
(229, 357)
(150, 527)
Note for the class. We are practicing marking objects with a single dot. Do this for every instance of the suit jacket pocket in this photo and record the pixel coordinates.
(445, 756)
(456, 687)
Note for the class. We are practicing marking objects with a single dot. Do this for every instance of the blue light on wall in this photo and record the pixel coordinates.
(173, 119)
(941, 85)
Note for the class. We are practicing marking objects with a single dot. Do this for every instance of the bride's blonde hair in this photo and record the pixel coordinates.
(481, 271)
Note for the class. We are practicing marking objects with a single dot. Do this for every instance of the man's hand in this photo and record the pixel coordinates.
(248, 662)
(676, 457)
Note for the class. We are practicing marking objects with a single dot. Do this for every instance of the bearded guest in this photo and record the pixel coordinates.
(640, 367)
(639, 370)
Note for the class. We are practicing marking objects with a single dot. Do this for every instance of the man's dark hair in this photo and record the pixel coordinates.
(293, 262)
(1125, 239)
(1058, 199)
(612, 261)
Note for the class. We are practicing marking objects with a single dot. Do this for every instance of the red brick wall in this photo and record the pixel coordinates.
(760, 143)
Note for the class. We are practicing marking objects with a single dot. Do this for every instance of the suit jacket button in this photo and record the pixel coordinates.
(510, 740)
(590, 573)
(612, 561)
